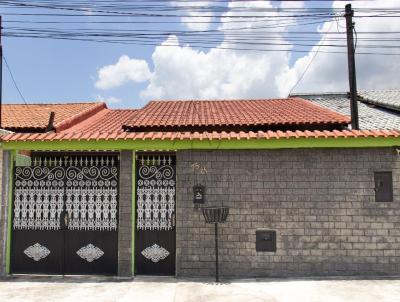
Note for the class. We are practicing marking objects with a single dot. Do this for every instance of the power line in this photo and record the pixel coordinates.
(311, 61)
(13, 80)
(133, 42)
(123, 9)
(237, 38)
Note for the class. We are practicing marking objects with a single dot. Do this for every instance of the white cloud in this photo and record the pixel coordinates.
(195, 18)
(291, 4)
(185, 72)
(265, 15)
(124, 71)
(108, 100)
(328, 72)
(181, 71)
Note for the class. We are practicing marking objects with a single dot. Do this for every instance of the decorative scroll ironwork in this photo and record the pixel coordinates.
(155, 192)
(37, 251)
(90, 252)
(155, 253)
(91, 198)
(89, 193)
(38, 198)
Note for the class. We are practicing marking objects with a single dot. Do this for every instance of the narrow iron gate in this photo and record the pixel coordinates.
(65, 217)
(155, 214)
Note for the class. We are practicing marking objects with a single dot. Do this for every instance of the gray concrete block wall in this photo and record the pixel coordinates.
(320, 202)
(125, 215)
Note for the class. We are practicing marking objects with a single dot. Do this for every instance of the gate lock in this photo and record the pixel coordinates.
(65, 219)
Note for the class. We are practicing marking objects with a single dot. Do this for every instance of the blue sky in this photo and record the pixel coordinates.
(62, 71)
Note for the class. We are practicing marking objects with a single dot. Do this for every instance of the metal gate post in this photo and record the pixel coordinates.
(216, 253)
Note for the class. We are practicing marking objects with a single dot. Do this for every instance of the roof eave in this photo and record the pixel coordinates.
(293, 140)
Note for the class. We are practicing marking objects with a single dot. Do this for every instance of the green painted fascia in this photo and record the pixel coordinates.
(157, 144)
(10, 206)
(133, 210)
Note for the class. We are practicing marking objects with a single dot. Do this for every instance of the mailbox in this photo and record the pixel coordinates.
(198, 194)
(265, 241)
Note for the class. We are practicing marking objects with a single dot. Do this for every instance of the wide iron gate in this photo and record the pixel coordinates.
(65, 218)
(155, 214)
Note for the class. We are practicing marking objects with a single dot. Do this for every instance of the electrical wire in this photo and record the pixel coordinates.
(13, 80)
(259, 37)
(311, 61)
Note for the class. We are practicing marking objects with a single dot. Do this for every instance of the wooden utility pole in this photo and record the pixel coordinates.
(352, 67)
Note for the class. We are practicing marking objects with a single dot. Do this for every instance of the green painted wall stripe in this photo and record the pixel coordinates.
(133, 209)
(359, 142)
(10, 205)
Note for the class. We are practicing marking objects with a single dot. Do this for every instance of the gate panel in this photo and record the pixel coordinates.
(65, 215)
(155, 215)
(91, 242)
(37, 229)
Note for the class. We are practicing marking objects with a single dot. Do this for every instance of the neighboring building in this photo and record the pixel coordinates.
(376, 109)
(36, 118)
(114, 194)
(383, 98)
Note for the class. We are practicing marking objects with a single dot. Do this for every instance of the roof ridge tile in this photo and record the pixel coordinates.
(79, 117)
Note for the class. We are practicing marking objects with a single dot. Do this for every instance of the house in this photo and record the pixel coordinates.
(114, 194)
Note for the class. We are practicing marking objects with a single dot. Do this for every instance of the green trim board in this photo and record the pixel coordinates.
(10, 205)
(233, 144)
(133, 210)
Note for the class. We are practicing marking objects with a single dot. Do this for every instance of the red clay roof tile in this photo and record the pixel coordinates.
(107, 120)
(120, 135)
(272, 112)
(35, 117)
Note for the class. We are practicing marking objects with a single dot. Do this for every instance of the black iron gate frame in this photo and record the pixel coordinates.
(135, 245)
(59, 155)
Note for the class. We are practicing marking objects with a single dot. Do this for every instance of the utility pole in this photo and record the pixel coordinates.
(352, 67)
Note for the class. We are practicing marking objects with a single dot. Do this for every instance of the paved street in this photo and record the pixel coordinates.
(78, 289)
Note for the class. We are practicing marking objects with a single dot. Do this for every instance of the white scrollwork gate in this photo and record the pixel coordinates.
(155, 194)
(155, 214)
(70, 197)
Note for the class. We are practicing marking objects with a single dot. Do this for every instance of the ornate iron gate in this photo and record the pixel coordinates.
(155, 214)
(65, 216)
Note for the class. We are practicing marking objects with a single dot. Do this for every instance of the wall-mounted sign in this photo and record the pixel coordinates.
(198, 194)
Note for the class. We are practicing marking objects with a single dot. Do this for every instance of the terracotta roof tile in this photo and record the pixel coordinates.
(120, 135)
(35, 117)
(107, 120)
(272, 112)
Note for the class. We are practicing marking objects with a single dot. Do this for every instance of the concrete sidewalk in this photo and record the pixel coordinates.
(78, 289)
